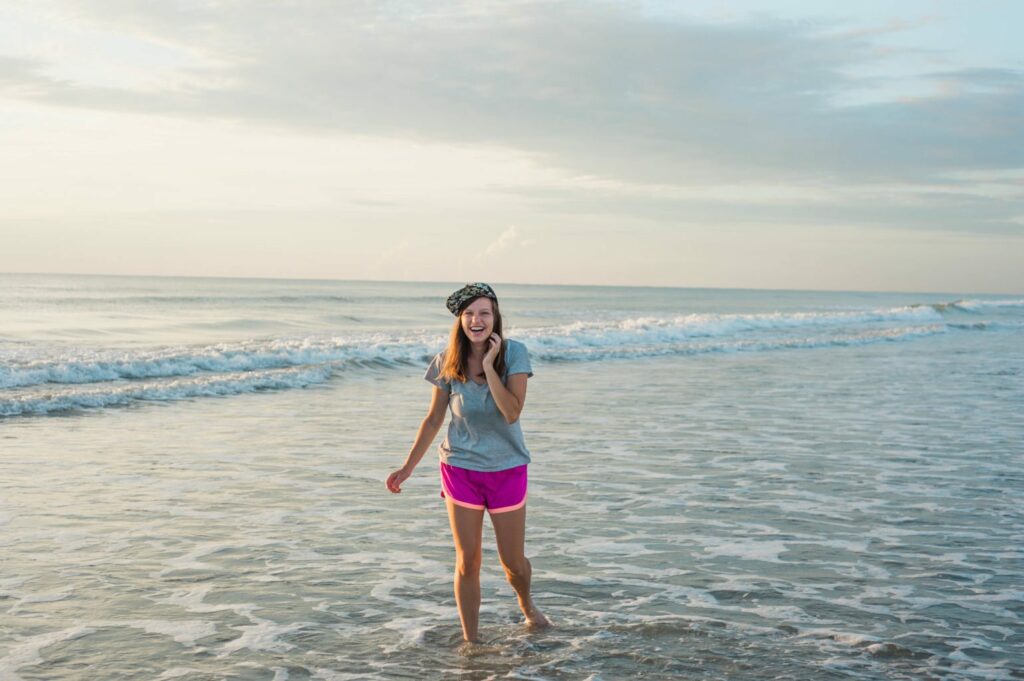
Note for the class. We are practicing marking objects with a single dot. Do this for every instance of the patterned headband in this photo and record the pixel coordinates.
(466, 293)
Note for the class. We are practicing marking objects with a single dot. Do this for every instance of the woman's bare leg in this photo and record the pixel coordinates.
(510, 534)
(467, 530)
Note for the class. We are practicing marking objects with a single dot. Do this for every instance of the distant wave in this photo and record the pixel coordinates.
(39, 401)
(742, 345)
(979, 305)
(627, 337)
(653, 330)
(99, 366)
(630, 337)
(66, 300)
(71, 300)
(987, 326)
(41, 380)
(67, 399)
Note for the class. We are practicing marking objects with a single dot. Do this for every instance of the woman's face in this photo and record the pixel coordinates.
(478, 320)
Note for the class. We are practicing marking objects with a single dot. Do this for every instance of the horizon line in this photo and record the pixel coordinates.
(510, 283)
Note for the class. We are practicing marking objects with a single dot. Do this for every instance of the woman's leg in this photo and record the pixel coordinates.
(510, 534)
(467, 530)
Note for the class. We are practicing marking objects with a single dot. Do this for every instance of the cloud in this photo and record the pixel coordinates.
(503, 242)
(508, 240)
(978, 206)
(597, 89)
(20, 78)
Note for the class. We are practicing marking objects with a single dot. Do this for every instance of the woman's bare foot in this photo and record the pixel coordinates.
(480, 649)
(535, 619)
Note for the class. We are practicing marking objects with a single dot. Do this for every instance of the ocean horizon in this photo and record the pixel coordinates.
(725, 483)
(457, 282)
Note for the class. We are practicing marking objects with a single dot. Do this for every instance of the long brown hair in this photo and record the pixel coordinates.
(456, 356)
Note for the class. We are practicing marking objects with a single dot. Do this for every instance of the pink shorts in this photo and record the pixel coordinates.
(497, 491)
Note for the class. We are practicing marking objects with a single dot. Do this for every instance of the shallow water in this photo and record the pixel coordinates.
(784, 504)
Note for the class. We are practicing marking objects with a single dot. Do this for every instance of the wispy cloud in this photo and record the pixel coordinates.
(592, 87)
(502, 243)
(655, 113)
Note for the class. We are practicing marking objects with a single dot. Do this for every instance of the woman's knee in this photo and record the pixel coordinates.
(468, 563)
(517, 569)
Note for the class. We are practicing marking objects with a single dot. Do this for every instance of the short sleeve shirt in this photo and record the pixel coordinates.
(479, 438)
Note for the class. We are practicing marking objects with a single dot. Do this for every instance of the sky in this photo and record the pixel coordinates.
(783, 145)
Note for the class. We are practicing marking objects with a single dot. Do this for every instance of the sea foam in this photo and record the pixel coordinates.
(51, 379)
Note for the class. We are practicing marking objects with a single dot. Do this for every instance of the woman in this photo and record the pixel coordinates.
(483, 458)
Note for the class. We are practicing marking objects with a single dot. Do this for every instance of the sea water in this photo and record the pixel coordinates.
(725, 484)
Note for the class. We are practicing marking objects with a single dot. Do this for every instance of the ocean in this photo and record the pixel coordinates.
(725, 484)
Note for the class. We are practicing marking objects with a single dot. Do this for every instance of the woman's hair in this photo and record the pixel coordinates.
(456, 356)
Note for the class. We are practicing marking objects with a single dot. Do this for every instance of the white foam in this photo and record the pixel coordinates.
(1006, 632)
(263, 635)
(748, 550)
(96, 366)
(39, 598)
(338, 353)
(65, 399)
(261, 577)
(185, 632)
(693, 326)
(412, 630)
(87, 379)
(976, 305)
(334, 675)
(190, 560)
(844, 637)
(382, 592)
(886, 649)
(192, 600)
(175, 672)
(604, 545)
(25, 653)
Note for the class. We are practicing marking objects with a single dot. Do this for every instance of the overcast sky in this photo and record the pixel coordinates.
(781, 144)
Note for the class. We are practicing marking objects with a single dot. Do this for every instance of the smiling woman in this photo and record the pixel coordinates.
(484, 458)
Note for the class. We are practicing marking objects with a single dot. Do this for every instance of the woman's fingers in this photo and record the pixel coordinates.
(395, 480)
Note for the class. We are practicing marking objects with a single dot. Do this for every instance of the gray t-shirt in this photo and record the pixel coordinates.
(479, 438)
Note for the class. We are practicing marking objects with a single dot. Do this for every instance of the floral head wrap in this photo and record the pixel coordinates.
(467, 293)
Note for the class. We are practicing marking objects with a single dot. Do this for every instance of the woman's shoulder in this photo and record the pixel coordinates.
(438, 358)
(516, 350)
(514, 345)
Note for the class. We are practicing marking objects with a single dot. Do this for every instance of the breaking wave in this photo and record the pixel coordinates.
(47, 380)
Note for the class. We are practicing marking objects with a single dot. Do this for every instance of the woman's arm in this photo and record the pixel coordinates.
(509, 399)
(432, 423)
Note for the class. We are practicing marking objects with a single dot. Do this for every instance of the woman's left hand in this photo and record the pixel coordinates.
(492, 351)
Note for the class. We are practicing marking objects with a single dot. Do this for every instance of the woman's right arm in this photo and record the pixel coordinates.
(427, 432)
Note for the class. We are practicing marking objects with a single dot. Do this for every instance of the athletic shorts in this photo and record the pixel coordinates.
(497, 491)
